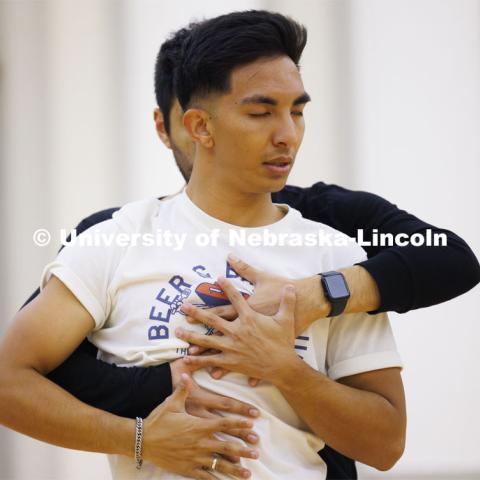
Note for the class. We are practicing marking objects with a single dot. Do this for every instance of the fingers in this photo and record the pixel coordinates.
(176, 401)
(218, 373)
(235, 297)
(228, 468)
(200, 411)
(226, 425)
(286, 311)
(202, 361)
(232, 449)
(246, 435)
(231, 459)
(212, 401)
(253, 382)
(225, 311)
(196, 350)
(198, 315)
(245, 270)
(214, 342)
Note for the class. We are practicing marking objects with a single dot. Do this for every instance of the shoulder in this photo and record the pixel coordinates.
(138, 215)
(129, 216)
(333, 205)
(323, 192)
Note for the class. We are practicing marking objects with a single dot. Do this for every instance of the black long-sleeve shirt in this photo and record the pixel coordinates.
(407, 277)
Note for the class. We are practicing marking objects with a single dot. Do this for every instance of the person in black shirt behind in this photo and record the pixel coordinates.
(392, 279)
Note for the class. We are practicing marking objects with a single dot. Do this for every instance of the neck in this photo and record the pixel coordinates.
(228, 203)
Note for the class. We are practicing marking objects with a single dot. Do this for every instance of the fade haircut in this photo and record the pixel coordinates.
(214, 47)
(165, 65)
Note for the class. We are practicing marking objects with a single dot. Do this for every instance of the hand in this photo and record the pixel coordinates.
(256, 345)
(185, 445)
(201, 402)
(311, 303)
(216, 373)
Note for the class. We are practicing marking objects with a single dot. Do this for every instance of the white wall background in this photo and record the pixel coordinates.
(396, 111)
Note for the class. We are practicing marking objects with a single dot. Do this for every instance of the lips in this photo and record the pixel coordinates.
(279, 165)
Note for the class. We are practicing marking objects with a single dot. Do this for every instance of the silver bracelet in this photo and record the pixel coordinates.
(138, 442)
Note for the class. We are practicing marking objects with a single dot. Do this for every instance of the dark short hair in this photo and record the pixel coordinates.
(165, 65)
(214, 47)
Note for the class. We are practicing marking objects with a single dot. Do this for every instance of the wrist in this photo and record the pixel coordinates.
(124, 437)
(364, 293)
(311, 302)
(287, 376)
(138, 442)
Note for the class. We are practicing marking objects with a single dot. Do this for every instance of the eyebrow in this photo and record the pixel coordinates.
(304, 98)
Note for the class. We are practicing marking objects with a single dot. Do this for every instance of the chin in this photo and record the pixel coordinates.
(273, 186)
(277, 189)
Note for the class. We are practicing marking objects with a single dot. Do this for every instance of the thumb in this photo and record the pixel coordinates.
(176, 401)
(245, 270)
(286, 310)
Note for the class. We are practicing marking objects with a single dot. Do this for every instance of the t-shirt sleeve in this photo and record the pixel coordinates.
(360, 343)
(87, 267)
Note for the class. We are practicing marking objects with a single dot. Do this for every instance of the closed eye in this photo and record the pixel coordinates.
(264, 114)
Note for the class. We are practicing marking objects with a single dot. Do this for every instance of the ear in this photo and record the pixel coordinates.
(160, 127)
(197, 123)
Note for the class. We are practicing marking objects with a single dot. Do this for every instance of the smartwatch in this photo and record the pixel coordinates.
(336, 291)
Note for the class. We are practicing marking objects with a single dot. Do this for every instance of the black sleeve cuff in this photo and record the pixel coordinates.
(394, 280)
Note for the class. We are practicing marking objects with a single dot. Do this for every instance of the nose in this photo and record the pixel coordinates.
(287, 132)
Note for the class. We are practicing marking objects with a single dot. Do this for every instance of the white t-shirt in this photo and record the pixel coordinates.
(134, 293)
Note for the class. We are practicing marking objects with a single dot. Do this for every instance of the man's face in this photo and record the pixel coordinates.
(258, 126)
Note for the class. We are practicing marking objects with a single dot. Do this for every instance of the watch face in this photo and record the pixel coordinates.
(337, 287)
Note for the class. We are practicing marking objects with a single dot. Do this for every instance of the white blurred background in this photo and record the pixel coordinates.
(396, 111)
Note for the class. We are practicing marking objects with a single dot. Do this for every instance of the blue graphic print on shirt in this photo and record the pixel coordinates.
(178, 291)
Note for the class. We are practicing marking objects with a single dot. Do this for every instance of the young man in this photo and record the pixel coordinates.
(240, 83)
(109, 387)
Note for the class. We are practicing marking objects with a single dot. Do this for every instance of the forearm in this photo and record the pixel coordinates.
(408, 277)
(360, 424)
(312, 303)
(418, 277)
(364, 293)
(35, 406)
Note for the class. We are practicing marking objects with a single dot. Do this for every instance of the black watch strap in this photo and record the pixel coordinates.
(337, 307)
(336, 291)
